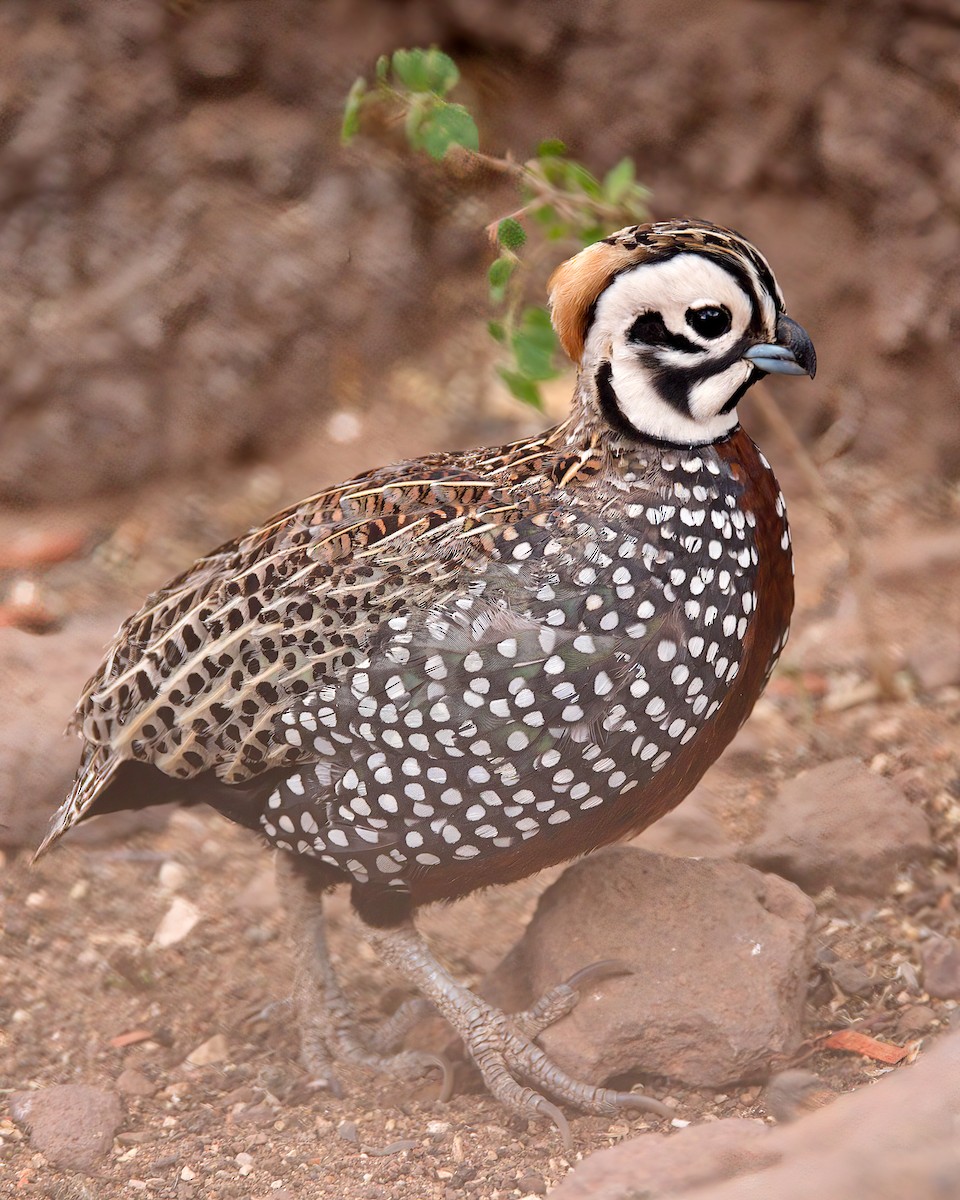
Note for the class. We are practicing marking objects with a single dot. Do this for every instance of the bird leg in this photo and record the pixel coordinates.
(501, 1045)
(329, 1031)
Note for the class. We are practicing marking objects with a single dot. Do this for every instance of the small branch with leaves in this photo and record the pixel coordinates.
(559, 199)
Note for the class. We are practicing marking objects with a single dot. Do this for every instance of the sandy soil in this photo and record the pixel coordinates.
(88, 997)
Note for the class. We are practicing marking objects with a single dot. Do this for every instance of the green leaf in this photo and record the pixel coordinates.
(446, 125)
(511, 234)
(383, 68)
(426, 70)
(500, 271)
(409, 69)
(499, 276)
(534, 345)
(544, 214)
(497, 331)
(535, 320)
(551, 148)
(524, 389)
(553, 170)
(441, 71)
(578, 177)
(351, 111)
(553, 227)
(619, 180)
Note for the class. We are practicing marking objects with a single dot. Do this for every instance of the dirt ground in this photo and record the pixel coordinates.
(88, 997)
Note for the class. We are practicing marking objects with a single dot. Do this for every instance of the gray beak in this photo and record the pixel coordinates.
(792, 354)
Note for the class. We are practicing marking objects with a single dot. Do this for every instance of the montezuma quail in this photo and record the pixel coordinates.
(455, 671)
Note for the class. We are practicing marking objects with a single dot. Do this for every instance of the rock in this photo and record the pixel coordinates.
(177, 922)
(213, 1050)
(653, 1165)
(940, 957)
(214, 47)
(172, 875)
(72, 1124)
(133, 1083)
(841, 825)
(915, 1019)
(852, 979)
(691, 830)
(894, 1139)
(721, 955)
(532, 1183)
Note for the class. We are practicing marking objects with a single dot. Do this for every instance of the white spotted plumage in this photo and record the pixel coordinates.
(517, 712)
(444, 660)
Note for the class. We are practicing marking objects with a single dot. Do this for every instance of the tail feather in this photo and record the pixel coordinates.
(97, 769)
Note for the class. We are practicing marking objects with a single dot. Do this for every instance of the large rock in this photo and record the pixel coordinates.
(841, 825)
(888, 1141)
(71, 1124)
(720, 952)
(656, 1165)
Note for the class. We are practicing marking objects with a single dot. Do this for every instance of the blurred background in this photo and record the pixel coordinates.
(196, 276)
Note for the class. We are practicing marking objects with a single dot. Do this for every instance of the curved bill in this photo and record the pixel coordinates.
(791, 354)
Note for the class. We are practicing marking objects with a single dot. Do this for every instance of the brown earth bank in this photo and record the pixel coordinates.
(195, 273)
(209, 309)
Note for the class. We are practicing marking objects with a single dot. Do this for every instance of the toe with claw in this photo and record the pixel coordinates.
(515, 1069)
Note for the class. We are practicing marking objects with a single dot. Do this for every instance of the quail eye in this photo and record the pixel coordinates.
(711, 321)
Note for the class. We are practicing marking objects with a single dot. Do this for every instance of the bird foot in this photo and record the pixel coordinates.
(506, 1055)
(514, 1068)
(329, 1033)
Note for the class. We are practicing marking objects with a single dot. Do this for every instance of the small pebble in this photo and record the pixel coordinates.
(213, 1050)
(915, 1019)
(177, 922)
(133, 1083)
(941, 967)
(172, 875)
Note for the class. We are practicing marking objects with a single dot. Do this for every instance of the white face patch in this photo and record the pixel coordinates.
(672, 289)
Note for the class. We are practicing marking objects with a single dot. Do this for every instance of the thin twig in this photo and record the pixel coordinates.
(882, 665)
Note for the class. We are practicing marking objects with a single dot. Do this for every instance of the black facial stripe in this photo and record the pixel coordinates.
(610, 405)
(613, 414)
(649, 329)
(674, 384)
(742, 390)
